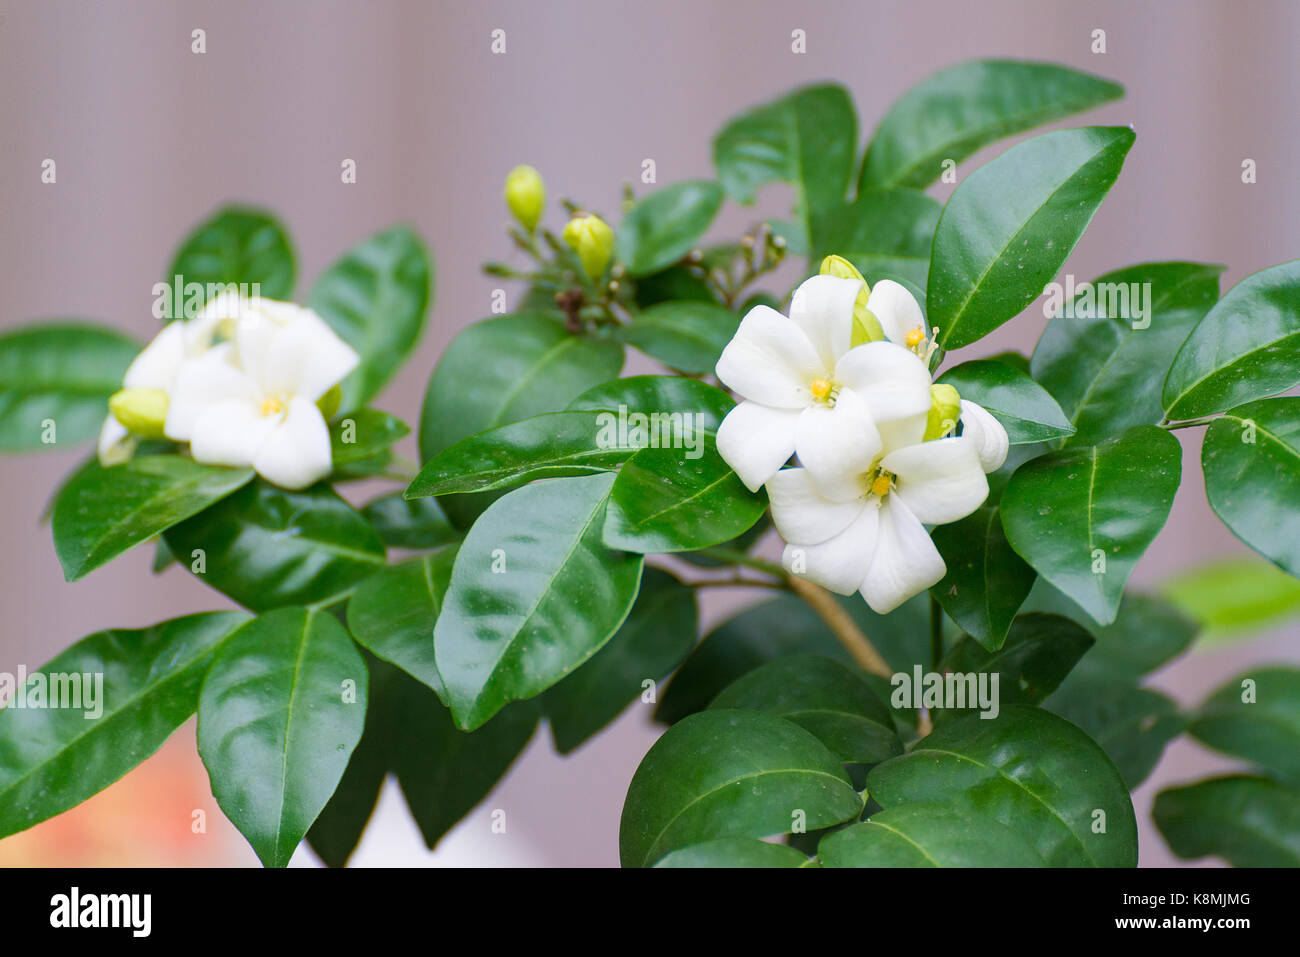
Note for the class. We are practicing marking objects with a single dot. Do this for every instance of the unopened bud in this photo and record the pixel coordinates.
(141, 411)
(526, 196)
(945, 410)
(592, 239)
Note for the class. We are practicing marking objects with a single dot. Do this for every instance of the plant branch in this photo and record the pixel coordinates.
(842, 625)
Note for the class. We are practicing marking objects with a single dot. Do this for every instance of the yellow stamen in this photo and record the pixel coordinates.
(272, 407)
(820, 388)
(915, 337)
(880, 486)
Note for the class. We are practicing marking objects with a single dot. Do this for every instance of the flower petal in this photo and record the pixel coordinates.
(896, 310)
(840, 563)
(905, 562)
(116, 444)
(156, 365)
(302, 356)
(756, 440)
(893, 382)
(837, 445)
(823, 308)
(202, 383)
(297, 451)
(231, 432)
(941, 480)
(770, 360)
(986, 433)
(802, 515)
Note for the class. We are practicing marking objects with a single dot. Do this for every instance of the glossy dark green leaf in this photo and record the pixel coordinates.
(1247, 347)
(927, 834)
(1131, 724)
(986, 581)
(103, 512)
(1026, 410)
(392, 613)
(236, 245)
(675, 499)
(955, 112)
(808, 138)
(884, 232)
(823, 696)
(1036, 773)
(358, 435)
(735, 852)
(668, 394)
(729, 774)
(534, 593)
(671, 285)
(787, 626)
(375, 297)
(683, 335)
(1040, 651)
(416, 524)
(1256, 716)
(506, 369)
(1251, 460)
(58, 372)
(658, 633)
(1247, 821)
(266, 547)
(543, 446)
(1082, 517)
(664, 226)
(1010, 225)
(1104, 355)
(53, 758)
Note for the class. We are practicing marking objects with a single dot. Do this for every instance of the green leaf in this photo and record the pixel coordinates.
(61, 372)
(267, 547)
(1247, 347)
(1010, 224)
(684, 335)
(672, 500)
(506, 369)
(1256, 716)
(1106, 373)
(658, 633)
(727, 774)
(534, 593)
(886, 233)
(375, 297)
(734, 852)
(402, 524)
(279, 715)
(1026, 410)
(550, 445)
(824, 697)
(1247, 821)
(663, 227)
(103, 512)
(1251, 460)
(808, 138)
(1034, 772)
(236, 245)
(957, 111)
(1040, 651)
(649, 394)
(361, 434)
(1083, 516)
(986, 581)
(927, 834)
(443, 771)
(672, 284)
(53, 758)
(392, 613)
(1131, 724)
(1234, 596)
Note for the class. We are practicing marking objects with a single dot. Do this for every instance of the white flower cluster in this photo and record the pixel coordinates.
(242, 383)
(882, 452)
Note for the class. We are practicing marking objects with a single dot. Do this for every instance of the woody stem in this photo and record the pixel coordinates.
(842, 625)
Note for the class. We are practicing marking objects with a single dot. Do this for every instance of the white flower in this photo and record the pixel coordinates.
(990, 438)
(899, 315)
(804, 388)
(251, 401)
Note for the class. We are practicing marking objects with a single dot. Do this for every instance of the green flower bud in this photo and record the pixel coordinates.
(866, 327)
(142, 412)
(526, 196)
(329, 403)
(839, 266)
(945, 410)
(592, 239)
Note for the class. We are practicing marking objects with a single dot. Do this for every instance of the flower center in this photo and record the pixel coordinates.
(880, 484)
(915, 337)
(272, 406)
(824, 390)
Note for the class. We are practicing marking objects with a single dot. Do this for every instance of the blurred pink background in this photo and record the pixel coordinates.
(149, 138)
